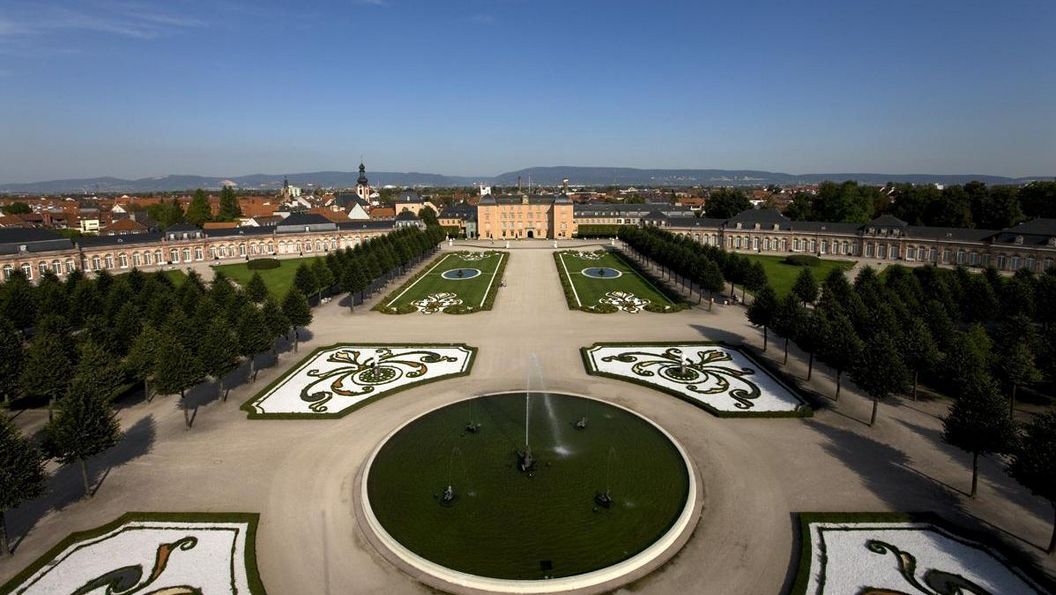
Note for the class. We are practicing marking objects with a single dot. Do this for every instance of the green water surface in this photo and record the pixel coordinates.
(508, 524)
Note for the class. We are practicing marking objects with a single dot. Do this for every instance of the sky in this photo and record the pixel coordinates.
(478, 87)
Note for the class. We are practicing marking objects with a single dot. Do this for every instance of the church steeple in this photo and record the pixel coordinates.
(362, 181)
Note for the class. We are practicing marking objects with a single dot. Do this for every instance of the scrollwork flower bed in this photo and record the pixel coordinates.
(719, 378)
(174, 554)
(333, 381)
(879, 554)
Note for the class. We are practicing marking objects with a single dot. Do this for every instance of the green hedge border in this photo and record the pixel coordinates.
(804, 410)
(250, 518)
(1013, 559)
(677, 304)
(489, 299)
(248, 405)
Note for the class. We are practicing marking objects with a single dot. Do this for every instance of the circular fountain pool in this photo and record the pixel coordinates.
(606, 493)
(460, 274)
(601, 273)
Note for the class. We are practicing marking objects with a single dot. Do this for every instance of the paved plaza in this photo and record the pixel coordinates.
(299, 474)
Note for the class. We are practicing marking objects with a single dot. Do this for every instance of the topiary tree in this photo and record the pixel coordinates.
(762, 310)
(297, 312)
(787, 320)
(253, 336)
(1034, 463)
(84, 426)
(842, 347)
(22, 476)
(276, 322)
(977, 423)
(754, 278)
(176, 369)
(811, 335)
(919, 350)
(142, 359)
(219, 351)
(324, 278)
(806, 287)
(256, 289)
(12, 356)
(45, 373)
(880, 371)
(98, 369)
(304, 280)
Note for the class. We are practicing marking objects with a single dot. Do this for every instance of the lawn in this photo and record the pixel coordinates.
(782, 276)
(278, 280)
(595, 276)
(175, 275)
(455, 283)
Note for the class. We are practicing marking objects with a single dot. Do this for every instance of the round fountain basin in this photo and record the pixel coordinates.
(601, 273)
(460, 274)
(540, 531)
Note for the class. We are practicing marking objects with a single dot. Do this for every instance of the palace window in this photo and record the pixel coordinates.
(27, 270)
(946, 256)
(174, 255)
(70, 267)
(911, 253)
(122, 259)
(1015, 263)
(43, 266)
(108, 261)
(198, 253)
(7, 271)
(869, 250)
(157, 257)
(186, 254)
(1000, 261)
(56, 266)
(137, 260)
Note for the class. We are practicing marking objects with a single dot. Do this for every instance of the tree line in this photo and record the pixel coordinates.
(979, 336)
(971, 205)
(78, 344)
(169, 213)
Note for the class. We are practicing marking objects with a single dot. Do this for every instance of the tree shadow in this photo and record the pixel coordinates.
(65, 487)
(715, 334)
(885, 472)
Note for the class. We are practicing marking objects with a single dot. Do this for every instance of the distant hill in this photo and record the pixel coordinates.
(627, 176)
(586, 176)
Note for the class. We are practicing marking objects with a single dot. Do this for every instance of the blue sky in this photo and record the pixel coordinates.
(477, 87)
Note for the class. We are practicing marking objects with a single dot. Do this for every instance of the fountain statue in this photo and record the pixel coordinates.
(581, 424)
(448, 497)
(603, 499)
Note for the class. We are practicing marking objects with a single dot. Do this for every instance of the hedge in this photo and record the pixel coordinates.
(262, 264)
(802, 260)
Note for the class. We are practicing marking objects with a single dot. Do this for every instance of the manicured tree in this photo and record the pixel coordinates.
(919, 350)
(842, 347)
(1015, 357)
(18, 302)
(297, 312)
(304, 280)
(142, 359)
(46, 369)
(806, 287)
(880, 371)
(84, 426)
(177, 369)
(221, 292)
(324, 279)
(351, 282)
(255, 289)
(967, 356)
(253, 335)
(126, 327)
(708, 277)
(219, 351)
(787, 320)
(977, 423)
(98, 369)
(811, 335)
(12, 356)
(1034, 463)
(754, 278)
(276, 322)
(836, 287)
(22, 475)
(762, 311)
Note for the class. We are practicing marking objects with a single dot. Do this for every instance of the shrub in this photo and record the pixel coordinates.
(802, 260)
(261, 264)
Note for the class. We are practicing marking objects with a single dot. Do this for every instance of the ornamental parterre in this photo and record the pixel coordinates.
(171, 554)
(333, 380)
(878, 558)
(436, 302)
(716, 377)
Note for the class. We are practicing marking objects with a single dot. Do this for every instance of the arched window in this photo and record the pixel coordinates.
(108, 261)
(158, 258)
(241, 249)
(42, 266)
(27, 270)
(122, 259)
(174, 255)
(56, 266)
(7, 271)
(70, 267)
(186, 254)
(95, 263)
(137, 260)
